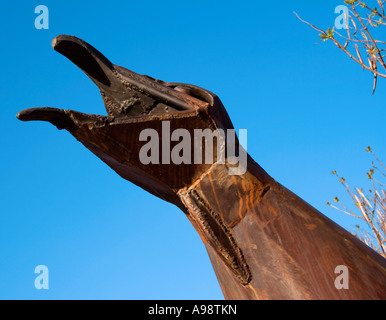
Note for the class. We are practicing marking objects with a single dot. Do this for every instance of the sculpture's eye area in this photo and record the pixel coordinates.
(183, 89)
(193, 91)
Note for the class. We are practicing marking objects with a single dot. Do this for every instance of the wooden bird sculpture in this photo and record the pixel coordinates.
(264, 242)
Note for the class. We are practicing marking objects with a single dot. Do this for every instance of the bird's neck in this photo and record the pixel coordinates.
(265, 242)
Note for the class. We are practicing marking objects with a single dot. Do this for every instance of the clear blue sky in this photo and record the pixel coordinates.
(307, 108)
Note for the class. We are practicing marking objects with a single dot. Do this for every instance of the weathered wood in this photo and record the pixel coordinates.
(264, 241)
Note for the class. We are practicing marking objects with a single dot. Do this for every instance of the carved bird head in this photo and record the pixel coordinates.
(135, 103)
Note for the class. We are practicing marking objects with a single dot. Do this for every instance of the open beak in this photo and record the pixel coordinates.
(124, 92)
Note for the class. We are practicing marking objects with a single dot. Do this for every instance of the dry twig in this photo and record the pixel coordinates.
(360, 35)
(370, 208)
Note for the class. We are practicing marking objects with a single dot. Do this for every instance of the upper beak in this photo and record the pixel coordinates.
(97, 67)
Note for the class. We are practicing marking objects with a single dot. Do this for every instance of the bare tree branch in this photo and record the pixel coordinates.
(360, 36)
